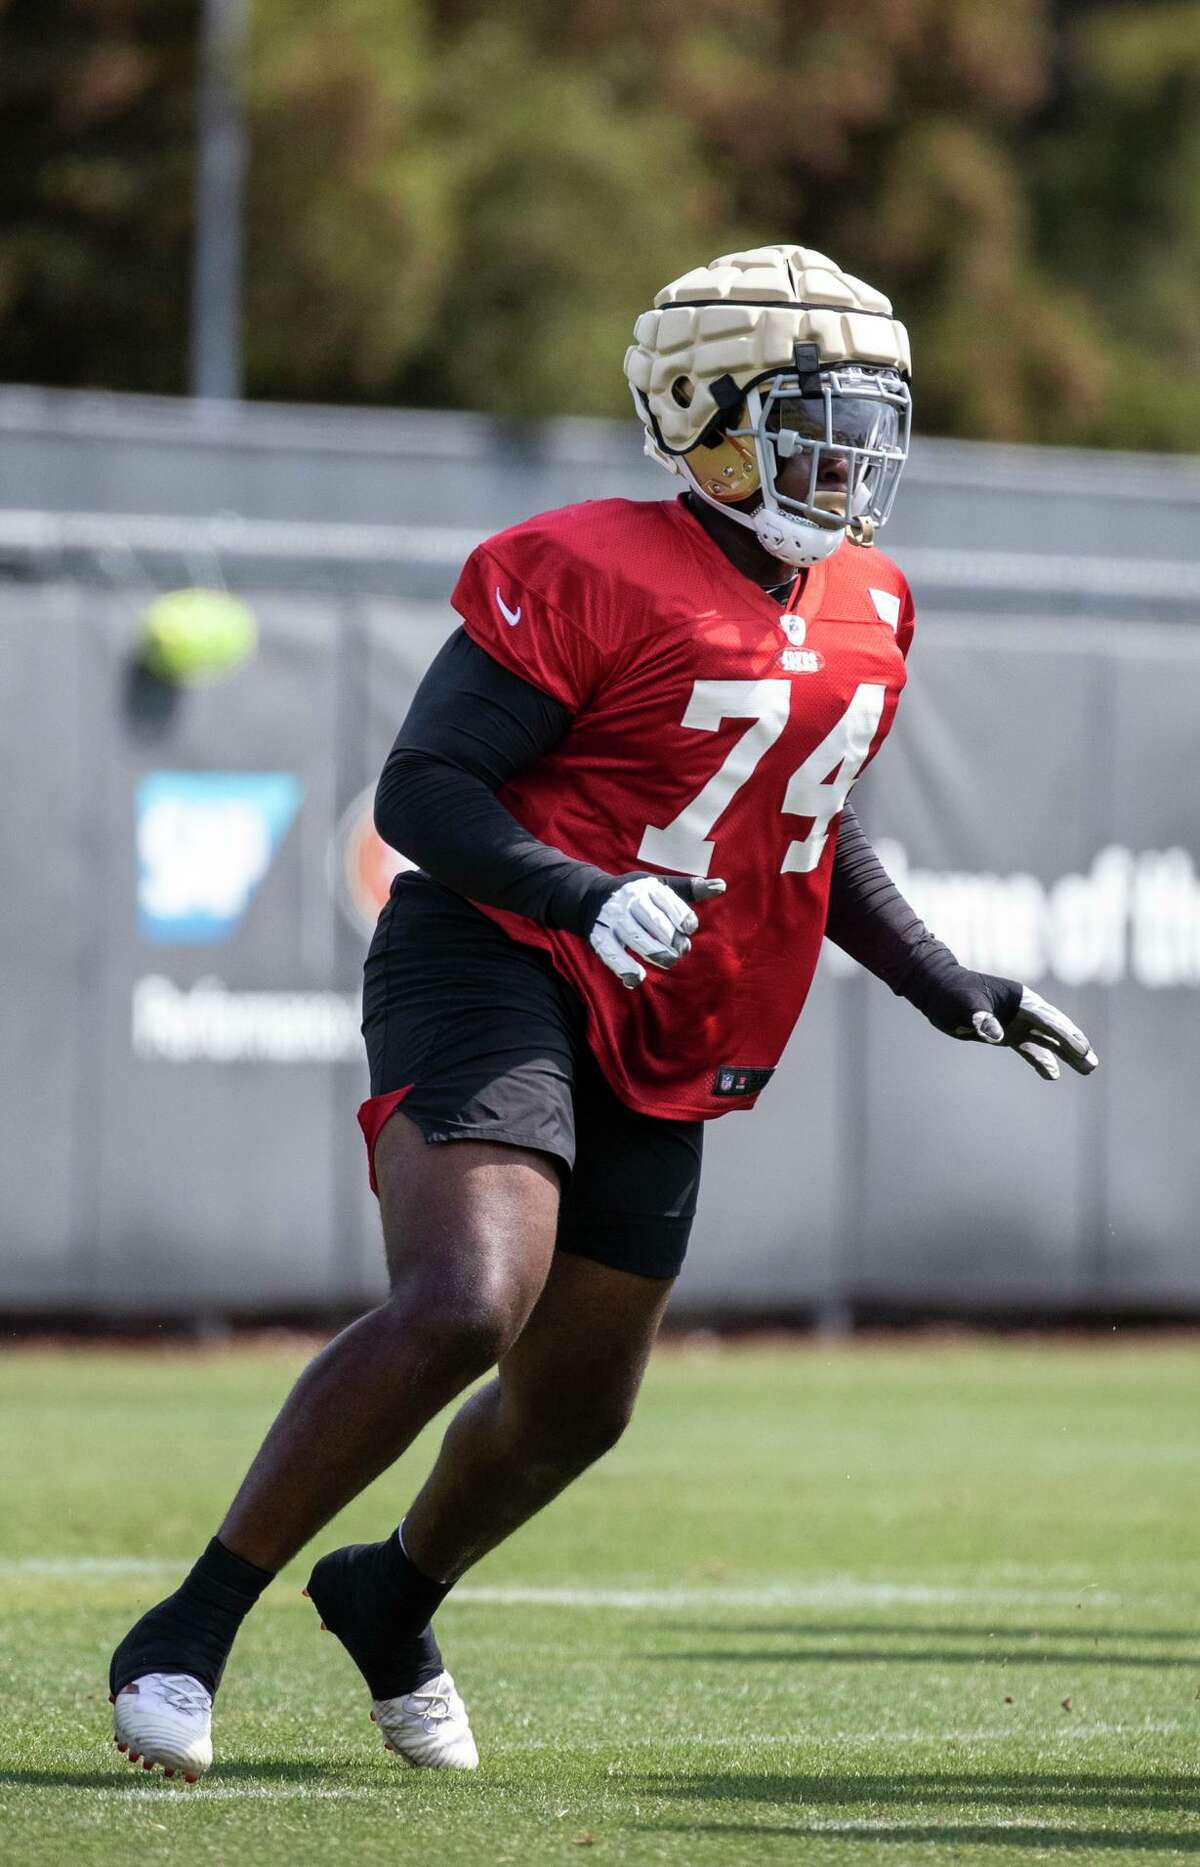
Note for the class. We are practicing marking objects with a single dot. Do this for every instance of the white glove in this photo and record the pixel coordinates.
(650, 916)
(1041, 1034)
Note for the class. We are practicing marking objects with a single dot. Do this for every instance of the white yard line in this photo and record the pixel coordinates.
(835, 1591)
(819, 1592)
(1066, 1734)
(810, 1738)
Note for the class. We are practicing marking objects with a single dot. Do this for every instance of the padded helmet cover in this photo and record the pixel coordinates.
(741, 316)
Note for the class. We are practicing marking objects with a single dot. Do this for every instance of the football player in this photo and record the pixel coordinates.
(626, 779)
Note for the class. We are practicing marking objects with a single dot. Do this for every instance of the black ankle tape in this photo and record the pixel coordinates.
(193, 1629)
(379, 1604)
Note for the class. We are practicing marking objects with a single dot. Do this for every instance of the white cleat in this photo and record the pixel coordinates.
(429, 1727)
(165, 1718)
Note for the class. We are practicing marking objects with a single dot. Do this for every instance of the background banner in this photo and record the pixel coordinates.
(197, 877)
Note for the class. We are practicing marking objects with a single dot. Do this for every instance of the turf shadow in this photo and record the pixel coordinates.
(1151, 1792)
(1064, 1840)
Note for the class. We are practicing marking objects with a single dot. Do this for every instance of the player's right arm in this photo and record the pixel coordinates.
(474, 724)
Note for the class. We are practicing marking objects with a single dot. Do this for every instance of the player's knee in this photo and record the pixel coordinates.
(465, 1332)
(604, 1428)
(574, 1435)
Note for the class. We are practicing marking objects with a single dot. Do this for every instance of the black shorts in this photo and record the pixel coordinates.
(480, 1039)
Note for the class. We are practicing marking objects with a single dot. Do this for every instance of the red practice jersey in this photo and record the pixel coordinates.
(713, 734)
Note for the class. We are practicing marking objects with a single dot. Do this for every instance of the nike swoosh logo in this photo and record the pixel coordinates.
(511, 616)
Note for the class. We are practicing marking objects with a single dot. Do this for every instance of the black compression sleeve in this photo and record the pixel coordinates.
(870, 919)
(473, 725)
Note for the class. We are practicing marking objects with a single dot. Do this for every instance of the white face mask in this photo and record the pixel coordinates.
(856, 417)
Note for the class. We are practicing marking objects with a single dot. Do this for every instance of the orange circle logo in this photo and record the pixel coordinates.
(362, 865)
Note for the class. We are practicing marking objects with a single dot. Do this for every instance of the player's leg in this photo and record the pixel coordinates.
(563, 1395)
(472, 1029)
(470, 1233)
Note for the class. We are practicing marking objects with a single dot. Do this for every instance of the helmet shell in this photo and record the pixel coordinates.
(741, 316)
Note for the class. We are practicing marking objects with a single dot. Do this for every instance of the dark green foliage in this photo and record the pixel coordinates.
(453, 202)
(95, 190)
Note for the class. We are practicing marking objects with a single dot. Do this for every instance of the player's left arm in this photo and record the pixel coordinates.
(870, 919)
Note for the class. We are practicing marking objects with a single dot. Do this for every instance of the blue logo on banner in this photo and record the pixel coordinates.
(204, 842)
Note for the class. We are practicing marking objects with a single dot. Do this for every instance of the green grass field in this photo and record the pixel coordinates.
(935, 1602)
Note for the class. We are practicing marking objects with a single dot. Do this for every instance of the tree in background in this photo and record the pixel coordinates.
(465, 202)
(455, 210)
(894, 134)
(96, 100)
(1117, 204)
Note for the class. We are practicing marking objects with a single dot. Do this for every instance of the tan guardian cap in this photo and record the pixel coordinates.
(742, 316)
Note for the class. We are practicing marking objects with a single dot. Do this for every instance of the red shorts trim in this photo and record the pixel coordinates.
(371, 1119)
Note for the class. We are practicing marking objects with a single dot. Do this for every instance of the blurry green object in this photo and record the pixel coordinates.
(194, 636)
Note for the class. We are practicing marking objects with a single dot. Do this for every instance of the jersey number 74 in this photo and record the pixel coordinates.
(818, 788)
